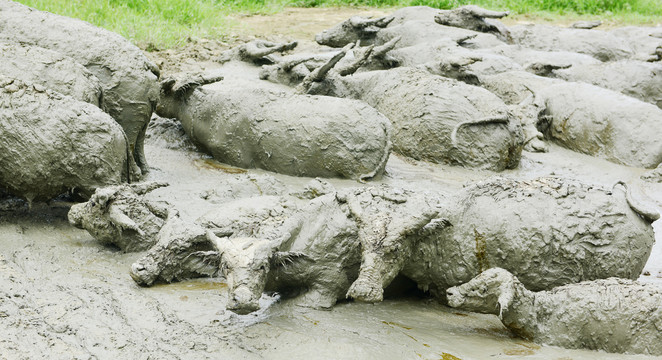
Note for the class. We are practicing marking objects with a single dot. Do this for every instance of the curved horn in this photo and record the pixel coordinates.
(145, 187)
(167, 84)
(363, 22)
(357, 63)
(320, 73)
(464, 39)
(260, 48)
(381, 50)
(545, 69)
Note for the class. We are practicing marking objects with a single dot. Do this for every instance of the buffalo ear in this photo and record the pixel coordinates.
(285, 258)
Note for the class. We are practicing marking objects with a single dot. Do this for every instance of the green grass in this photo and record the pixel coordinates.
(643, 7)
(168, 23)
(158, 23)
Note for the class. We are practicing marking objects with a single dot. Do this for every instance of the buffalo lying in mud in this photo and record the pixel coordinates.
(412, 26)
(255, 51)
(547, 231)
(255, 126)
(181, 251)
(601, 45)
(584, 117)
(313, 256)
(434, 118)
(51, 143)
(128, 79)
(353, 243)
(475, 18)
(613, 315)
(121, 216)
(638, 79)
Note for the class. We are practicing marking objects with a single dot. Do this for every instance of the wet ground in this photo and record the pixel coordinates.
(65, 296)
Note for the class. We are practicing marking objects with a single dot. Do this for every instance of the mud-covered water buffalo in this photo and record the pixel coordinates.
(121, 216)
(435, 118)
(602, 123)
(412, 25)
(128, 79)
(614, 315)
(547, 231)
(527, 58)
(49, 69)
(354, 242)
(475, 18)
(638, 79)
(51, 143)
(646, 41)
(182, 251)
(584, 117)
(312, 256)
(599, 44)
(602, 45)
(315, 256)
(253, 126)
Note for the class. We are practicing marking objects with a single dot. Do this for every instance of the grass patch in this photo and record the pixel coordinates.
(168, 23)
(158, 23)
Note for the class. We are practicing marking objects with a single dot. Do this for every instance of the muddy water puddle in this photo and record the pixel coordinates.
(398, 329)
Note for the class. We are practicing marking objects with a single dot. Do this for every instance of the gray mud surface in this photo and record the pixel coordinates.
(65, 296)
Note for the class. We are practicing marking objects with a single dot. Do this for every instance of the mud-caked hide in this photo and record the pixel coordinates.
(613, 315)
(182, 251)
(51, 143)
(49, 69)
(250, 125)
(121, 216)
(547, 231)
(128, 79)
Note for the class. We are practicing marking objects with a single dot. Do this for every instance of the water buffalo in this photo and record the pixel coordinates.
(254, 126)
(121, 216)
(614, 315)
(51, 143)
(128, 79)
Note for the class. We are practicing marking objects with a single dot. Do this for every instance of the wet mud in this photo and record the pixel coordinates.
(64, 295)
